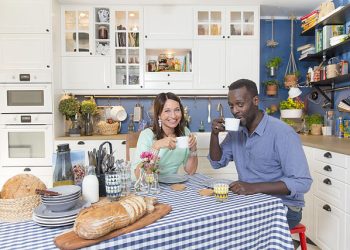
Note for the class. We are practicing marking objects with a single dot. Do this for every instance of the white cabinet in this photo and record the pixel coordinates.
(168, 22)
(25, 51)
(88, 72)
(331, 191)
(118, 147)
(43, 173)
(25, 16)
(127, 54)
(226, 47)
(76, 31)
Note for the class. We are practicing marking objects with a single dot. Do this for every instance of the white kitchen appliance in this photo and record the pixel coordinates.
(25, 98)
(26, 139)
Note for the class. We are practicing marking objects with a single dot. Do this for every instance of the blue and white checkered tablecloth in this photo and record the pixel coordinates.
(195, 222)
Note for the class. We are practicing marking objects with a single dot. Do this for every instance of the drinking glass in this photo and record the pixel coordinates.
(221, 191)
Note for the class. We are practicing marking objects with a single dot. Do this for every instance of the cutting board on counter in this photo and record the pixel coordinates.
(69, 240)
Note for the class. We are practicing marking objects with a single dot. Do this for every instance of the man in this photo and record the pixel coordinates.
(267, 153)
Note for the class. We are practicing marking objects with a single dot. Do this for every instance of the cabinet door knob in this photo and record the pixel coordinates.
(327, 208)
(327, 168)
(81, 143)
(48, 66)
(228, 36)
(327, 181)
(168, 74)
(141, 86)
(107, 87)
(123, 142)
(327, 155)
(223, 86)
(145, 36)
(168, 83)
(90, 53)
(223, 36)
(47, 30)
(27, 170)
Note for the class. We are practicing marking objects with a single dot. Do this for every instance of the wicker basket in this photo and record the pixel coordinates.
(105, 128)
(21, 209)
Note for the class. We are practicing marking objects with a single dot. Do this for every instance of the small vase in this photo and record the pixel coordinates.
(141, 184)
(152, 181)
(88, 124)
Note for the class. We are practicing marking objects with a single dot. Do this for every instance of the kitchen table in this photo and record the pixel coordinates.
(195, 222)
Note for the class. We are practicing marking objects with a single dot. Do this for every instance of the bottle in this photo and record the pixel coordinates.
(90, 186)
(201, 127)
(340, 127)
(63, 173)
(131, 123)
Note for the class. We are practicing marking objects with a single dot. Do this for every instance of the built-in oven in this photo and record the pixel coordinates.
(26, 139)
(25, 98)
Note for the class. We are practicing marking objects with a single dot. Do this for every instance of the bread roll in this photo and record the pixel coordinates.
(21, 185)
(99, 220)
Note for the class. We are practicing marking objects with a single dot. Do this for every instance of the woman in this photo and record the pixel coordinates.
(168, 124)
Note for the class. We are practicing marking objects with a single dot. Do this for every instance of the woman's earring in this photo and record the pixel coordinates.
(160, 123)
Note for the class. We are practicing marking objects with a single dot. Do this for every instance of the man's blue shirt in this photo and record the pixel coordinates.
(273, 152)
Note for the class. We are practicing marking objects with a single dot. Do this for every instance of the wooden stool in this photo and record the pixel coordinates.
(300, 229)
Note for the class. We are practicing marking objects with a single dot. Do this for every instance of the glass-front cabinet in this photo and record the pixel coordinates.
(76, 31)
(227, 22)
(127, 49)
(102, 31)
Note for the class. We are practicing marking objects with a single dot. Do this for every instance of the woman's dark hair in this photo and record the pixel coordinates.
(250, 86)
(158, 107)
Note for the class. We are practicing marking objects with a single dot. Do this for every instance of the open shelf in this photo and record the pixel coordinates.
(327, 82)
(338, 17)
(332, 51)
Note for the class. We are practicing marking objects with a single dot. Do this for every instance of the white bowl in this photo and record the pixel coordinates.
(118, 113)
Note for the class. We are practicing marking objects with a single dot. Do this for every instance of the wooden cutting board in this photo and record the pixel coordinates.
(69, 240)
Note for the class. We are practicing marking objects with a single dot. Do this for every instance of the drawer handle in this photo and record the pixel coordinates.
(327, 208)
(123, 142)
(327, 181)
(327, 168)
(327, 155)
(81, 143)
(27, 170)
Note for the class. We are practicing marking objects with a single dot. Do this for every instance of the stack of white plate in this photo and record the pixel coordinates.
(46, 218)
(69, 195)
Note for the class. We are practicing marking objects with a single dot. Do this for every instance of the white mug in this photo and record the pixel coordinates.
(232, 124)
(118, 113)
(182, 142)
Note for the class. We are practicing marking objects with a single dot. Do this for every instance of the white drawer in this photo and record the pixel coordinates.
(330, 227)
(43, 173)
(168, 76)
(171, 84)
(332, 171)
(331, 190)
(331, 157)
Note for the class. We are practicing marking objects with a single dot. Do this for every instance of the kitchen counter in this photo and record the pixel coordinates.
(332, 143)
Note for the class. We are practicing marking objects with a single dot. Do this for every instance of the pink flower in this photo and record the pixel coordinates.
(150, 161)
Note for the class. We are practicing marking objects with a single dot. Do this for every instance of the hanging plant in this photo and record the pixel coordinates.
(292, 74)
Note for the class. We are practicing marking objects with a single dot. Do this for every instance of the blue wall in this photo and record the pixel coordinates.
(198, 108)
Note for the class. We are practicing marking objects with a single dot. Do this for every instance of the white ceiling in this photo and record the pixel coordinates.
(276, 8)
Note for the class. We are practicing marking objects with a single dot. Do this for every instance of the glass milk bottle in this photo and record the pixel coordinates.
(90, 186)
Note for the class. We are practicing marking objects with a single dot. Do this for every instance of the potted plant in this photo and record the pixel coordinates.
(87, 109)
(315, 122)
(291, 108)
(69, 107)
(271, 87)
(291, 79)
(273, 65)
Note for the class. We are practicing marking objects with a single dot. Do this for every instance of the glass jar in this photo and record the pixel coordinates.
(63, 173)
(152, 65)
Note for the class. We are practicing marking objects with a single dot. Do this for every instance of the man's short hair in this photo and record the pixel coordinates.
(250, 86)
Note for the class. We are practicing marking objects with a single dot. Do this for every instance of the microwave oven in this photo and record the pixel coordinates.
(22, 97)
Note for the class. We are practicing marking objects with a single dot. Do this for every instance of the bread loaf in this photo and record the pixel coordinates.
(98, 220)
(21, 185)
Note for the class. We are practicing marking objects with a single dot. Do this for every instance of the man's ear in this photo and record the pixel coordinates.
(256, 100)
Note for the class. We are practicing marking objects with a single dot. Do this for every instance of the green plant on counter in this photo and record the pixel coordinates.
(274, 62)
(88, 106)
(290, 122)
(291, 104)
(69, 107)
(313, 119)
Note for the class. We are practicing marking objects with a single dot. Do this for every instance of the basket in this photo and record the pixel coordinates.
(16, 210)
(105, 128)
